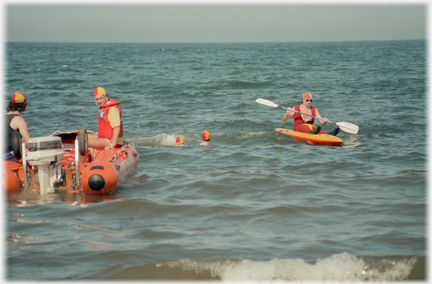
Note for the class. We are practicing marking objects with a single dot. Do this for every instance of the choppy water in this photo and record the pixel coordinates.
(257, 205)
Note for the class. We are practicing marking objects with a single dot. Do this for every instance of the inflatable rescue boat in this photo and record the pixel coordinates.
(52, 164)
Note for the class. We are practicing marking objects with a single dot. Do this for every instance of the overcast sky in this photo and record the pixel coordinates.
(206, 22)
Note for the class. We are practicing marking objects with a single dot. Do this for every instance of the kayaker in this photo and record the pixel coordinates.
(180, 142)
(110, 126)
(304, 123)
(14, 122)
(205, 136)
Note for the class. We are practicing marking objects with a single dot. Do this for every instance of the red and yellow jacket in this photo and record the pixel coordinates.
(105, 128)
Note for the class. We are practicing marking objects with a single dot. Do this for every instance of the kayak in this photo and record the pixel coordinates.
(52, 165)
(317, 139)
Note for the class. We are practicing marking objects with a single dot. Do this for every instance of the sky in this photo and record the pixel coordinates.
(198, 21)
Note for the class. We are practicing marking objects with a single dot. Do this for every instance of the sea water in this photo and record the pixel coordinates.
(257, 205)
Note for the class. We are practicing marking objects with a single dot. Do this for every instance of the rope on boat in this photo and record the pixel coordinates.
(122, 150)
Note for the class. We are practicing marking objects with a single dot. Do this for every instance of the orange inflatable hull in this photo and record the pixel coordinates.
(105, 170)
(12, 177)
(108, 170)
(102, 174)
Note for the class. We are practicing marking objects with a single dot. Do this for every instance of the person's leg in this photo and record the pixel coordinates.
(98, 143)
(335, 131)
(302, 128)
(308, 128)
(9, 157)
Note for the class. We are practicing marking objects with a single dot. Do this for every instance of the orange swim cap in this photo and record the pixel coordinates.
(179, 140)
(206, 135)
(307, 96)
(18, 97)
(99, 91)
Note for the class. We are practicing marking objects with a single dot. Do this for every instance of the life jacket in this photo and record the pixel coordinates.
(299, 120)
(104, 127)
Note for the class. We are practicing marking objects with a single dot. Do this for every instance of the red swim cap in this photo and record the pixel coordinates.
(179, 140)
(18, 97)
(99, 91)
(206, 135)
(307, 96)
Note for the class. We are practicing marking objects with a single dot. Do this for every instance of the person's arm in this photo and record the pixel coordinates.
(114, 118)
(116, 132)
(323, 121)
(289, 113)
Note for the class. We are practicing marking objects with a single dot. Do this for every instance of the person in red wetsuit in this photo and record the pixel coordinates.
(110, 126)
(303, 122)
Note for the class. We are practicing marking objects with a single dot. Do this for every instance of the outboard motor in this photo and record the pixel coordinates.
(46, 152)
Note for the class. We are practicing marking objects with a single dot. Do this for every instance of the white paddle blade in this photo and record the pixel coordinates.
(348, 127)
(266, 102)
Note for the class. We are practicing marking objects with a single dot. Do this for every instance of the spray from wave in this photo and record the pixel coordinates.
(338, 267)
(164, 140)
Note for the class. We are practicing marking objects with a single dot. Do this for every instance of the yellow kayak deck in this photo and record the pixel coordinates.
(317, 139)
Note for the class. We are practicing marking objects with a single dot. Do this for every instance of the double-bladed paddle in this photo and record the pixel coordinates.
(344, 126)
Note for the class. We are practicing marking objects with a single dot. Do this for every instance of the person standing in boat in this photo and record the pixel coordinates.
(15, 123)
(110, 126)
(304, 123)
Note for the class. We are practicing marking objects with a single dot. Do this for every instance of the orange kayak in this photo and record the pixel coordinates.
(317, 139)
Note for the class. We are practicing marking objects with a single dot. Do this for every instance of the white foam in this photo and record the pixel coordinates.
(158, 140)
(338, 267)
(351, 142)
(253, 134)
